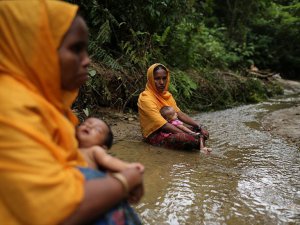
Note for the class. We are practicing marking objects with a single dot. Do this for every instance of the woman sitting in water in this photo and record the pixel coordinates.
(151, 100)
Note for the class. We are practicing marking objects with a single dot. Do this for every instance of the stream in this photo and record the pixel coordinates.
(251, 177)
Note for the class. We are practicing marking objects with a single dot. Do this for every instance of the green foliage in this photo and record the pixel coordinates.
(274, 37)
(102, 37)
(135, 51)
(182, 86)
(218, 90)
(255, 90)
(162, 39)
(273, 89)
(206, 36)
(197, 46)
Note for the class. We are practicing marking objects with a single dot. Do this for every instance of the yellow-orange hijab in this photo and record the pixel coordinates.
(38, 150)
(150, 102)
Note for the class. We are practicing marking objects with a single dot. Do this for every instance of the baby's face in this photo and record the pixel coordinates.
(172, 115)
(91, 132)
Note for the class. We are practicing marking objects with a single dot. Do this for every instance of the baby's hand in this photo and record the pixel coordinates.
(139, 166)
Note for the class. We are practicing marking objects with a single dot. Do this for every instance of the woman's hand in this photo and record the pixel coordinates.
(136, 194)
(134, 177)
(204, 132)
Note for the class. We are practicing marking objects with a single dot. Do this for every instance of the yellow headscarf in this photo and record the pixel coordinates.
(38, 149)
(150, 102)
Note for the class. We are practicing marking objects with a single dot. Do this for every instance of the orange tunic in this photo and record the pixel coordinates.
(151, 101)
(38, 150)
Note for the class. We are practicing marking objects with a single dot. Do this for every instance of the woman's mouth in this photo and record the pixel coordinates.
(161, 88)
(84, 77)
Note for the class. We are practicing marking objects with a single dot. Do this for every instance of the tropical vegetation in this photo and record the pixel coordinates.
(208, 45)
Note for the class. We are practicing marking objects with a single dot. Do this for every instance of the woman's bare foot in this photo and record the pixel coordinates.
(206, 150)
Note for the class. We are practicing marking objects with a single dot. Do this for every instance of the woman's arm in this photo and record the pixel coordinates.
(102, 194)
(188, 120)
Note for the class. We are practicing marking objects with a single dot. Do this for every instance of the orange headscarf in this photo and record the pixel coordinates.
(38, 149)
(150, 102)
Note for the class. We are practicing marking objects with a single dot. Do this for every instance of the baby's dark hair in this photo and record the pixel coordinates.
(109, 138)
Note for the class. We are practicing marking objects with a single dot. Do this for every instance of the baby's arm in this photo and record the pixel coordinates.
(186, 130)
(111, 163)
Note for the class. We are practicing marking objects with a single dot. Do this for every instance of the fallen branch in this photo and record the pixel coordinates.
(262, 75)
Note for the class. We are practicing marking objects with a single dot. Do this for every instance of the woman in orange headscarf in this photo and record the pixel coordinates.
(153, 125)
(43, 62)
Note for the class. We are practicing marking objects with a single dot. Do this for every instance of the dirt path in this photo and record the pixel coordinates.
(284, 123)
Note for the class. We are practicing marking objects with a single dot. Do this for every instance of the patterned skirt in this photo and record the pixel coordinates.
(181, 141)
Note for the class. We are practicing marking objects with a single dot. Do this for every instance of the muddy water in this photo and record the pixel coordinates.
(251, 177)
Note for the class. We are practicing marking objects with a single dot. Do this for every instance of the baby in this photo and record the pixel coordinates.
(171, 116)
(93, 134)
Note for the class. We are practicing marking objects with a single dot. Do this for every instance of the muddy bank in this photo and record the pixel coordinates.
(124, 126)
(285, 123)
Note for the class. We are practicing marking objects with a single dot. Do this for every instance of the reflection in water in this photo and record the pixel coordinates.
(251, 177)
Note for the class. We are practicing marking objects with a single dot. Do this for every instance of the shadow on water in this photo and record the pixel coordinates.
(251, 177)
